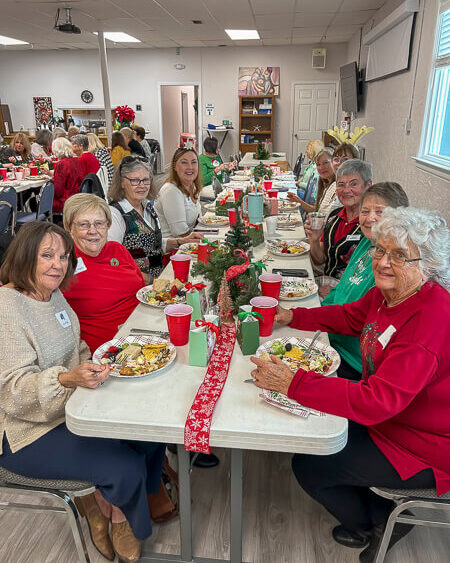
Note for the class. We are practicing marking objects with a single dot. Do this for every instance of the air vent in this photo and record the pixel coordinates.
(319, 57)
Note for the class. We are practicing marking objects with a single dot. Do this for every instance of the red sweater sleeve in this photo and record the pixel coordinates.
(346, 319)
(59, 179)
(407, 369)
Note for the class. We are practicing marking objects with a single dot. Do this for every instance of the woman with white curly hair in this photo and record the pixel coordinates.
(399, 425)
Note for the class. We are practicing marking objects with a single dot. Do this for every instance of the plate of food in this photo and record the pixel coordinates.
(287, 248)
(285, 205)
(135, 356)
(286, 221)
(209, 219)
(323, 359)
(162, 293)
(293, 289)
(190, 248)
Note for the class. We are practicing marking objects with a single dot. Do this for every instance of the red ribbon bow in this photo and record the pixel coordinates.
(212, 326)
(198, 286)
(253, 225)
(222, 201)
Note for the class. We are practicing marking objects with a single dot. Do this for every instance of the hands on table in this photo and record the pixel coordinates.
(272, 374)
(193, 237)
(85, 375)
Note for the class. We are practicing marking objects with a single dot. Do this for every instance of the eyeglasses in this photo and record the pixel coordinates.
(396, 257)
(341, 158)
(138, 182)
(86, 225)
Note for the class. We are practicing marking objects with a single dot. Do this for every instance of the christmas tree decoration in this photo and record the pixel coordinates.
(261, 153)
(237, 236)
(262, 172)
(225, 302)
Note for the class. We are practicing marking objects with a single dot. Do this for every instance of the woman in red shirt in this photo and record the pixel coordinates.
(67, 175)
(88, 162)
(399, 431)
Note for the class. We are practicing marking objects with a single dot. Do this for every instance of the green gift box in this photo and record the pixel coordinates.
(256, 234)
(222, 210)
(248, 330)
(202, 340)
(196, 298)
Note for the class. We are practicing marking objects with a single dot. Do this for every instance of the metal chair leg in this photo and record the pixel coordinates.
(75, 526)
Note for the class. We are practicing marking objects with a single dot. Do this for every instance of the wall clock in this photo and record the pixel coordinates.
(87, 96)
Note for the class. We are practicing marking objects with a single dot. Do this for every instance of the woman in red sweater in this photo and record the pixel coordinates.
(88, 162)
(67, 175)
(399, 430)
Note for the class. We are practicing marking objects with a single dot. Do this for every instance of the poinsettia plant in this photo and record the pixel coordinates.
(124, 116)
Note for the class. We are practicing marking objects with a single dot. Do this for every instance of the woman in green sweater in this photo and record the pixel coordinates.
(211, 163)
(357, 278)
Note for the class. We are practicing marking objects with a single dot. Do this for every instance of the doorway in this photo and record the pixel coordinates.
(314, 110)
(178, 114)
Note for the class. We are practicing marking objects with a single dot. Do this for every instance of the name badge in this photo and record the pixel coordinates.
(353, 237)
(81, 266)
(215, 162)
(384, 338)
(63, 319)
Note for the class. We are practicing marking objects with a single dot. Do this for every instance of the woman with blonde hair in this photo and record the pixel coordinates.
(19, 150)
(98, 149)
(41, 147)
(67, 175)
(312, 149)
(178, 203)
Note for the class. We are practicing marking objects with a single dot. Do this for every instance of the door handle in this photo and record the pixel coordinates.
(296, 136)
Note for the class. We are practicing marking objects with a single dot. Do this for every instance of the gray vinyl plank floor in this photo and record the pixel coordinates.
(281, 524)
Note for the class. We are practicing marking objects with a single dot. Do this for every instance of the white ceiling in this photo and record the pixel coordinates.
(168, 23)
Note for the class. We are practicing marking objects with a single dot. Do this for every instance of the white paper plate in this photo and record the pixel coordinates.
(140, 295)
(131, 340)
(294, 284)
(189, 248)
(287, 206)
(218, 221)
(274, 247)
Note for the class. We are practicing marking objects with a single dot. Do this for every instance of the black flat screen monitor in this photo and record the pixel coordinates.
(349, 87)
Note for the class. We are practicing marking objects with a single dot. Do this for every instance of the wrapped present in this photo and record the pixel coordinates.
(202, 340)
(256, 233)
(223, 205)
(248, 330)
(196, 298)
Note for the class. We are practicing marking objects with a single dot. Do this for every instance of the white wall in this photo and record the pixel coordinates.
(387, 104)
(135, 74)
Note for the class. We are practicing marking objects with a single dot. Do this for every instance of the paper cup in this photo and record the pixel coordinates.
(178, 319)
(33, 170)
(272, 193)
(181, 264)
(271, 285)
(20, 174)
(271, 225)
(232, 216)
(268, 184)
(267, 307)
(203, 252)
(3, 172)
(237, 193)
(316, 220)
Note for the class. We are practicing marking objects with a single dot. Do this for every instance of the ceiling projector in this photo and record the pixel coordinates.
(67, 26)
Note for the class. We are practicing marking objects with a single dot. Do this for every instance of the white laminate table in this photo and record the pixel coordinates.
(155, 409)
(23, 185)
(248, 159)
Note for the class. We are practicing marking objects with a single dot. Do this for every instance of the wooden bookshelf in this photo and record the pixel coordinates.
(248, 121)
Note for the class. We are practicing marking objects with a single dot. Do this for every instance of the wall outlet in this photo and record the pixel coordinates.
(138, 107)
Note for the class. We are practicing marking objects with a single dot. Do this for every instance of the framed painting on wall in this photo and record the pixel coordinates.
(258, 81)
(43, 111)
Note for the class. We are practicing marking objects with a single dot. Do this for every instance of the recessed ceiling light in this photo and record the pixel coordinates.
(119, 37)
(10, 41)
(242, 34)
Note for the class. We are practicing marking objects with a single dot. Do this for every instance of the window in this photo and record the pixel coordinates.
(435, 144)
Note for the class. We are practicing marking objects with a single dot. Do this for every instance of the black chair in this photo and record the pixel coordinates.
(92, 185)
(298, 166)
(45, 207)
(9, 194)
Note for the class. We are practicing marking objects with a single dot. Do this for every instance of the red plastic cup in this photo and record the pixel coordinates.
(178, 319)
(237, 193)
(3, 172)
(181, 264)
(33, 170)
(272, 193)
(268, 184)
(267, 307)
(271, 285)
(203, 252)
(232, 216)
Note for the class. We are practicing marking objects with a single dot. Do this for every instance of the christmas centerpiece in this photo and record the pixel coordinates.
(262, 172)
(124, 117)
(261, 152)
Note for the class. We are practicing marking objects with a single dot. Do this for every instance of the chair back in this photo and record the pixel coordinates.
(45, 206)
(92, 185)
(309, 194)
(217, 186)
(298, 165)
(102, 174)
(151, 161)
(7, 217)
(9, 194)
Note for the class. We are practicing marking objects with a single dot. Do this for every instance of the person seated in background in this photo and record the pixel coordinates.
(119, 148)
(312, 149)
(398, 435)
(72, 131)
(58, 132)
(326, 179)
(178, 201)
(130, 139)
(211, 163)
(67, 174)
(88, 162)
(101, 153)
(134, 221)
(333, 244)
(42, 361)
(140, 137)
(18, 152)
(41, 147)
(358, 278)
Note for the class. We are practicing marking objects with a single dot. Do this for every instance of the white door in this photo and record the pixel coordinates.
(314, 111)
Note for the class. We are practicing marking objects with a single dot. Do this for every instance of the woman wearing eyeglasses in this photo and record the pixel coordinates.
(134, 220)
(399, 426)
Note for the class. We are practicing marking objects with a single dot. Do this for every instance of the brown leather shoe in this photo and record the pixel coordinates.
(162, 509)
(127, 547)
(98, 525)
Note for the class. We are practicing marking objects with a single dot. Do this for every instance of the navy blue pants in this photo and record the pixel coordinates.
(341, 481)
(124, 471)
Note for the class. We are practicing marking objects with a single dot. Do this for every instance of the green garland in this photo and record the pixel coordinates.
(261, 153)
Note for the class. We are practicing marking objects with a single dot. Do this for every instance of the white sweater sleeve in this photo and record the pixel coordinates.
(172, 203)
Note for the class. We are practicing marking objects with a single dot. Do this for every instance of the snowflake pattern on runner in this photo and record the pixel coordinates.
(198, 422)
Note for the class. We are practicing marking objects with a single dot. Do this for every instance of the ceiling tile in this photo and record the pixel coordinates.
(347, 30)
(266, 7)
(316, 6)
(308, 31)
(306, 40)
(248, 43)
(282, 41)
(354, 5)
(354, 17)
(273, 21)
(304, 19)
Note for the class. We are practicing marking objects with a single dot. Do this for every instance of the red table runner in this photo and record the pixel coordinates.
(198, 422)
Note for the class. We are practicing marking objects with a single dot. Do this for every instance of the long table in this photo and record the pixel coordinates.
(248, 159)
(155, 409)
